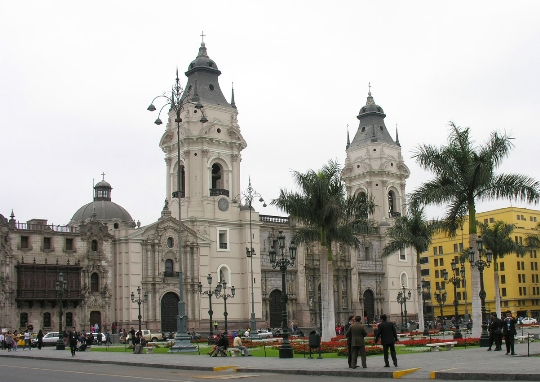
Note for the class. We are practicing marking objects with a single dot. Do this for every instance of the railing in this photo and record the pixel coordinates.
(45, 227)
(218, 192)
(182, 194)
(274, 219)
(169, 274)
(222, 245)
(395, 214)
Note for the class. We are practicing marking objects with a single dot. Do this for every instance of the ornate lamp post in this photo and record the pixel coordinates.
(61, 288)
(249, 195)
(425, 295)
(402, 298)
(177, 100)
(209, 293)
(455, 280)
(285, 350)
(225, 297)
(480, 264)
(440, 295)
(139, 300)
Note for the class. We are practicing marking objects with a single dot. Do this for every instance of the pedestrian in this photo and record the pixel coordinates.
(108, 338)
(215, 326)
(509, 331)
(96, 328)
(2, 340)
(222, 346)
(347, 326)
(357, 332)
(9, 341)
(387, 332)
(26, 340)
(15, 340)
(40, 339)
(132, 333)
(72, 339)
(237, 343)
(495, 332)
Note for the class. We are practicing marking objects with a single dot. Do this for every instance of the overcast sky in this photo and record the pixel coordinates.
(76, 79)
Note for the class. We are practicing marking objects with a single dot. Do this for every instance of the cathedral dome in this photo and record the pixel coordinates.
(102, 208)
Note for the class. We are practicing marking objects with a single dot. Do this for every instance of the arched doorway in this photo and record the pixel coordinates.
(369, 305)
(95, 318)
(169, 312)
(275, 309)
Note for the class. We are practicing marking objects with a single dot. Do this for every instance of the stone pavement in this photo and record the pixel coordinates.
(458, 364)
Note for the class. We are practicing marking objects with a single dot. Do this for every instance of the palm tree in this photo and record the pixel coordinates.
(465, 173)
(414, 231)
(328, 216)
(497, 239)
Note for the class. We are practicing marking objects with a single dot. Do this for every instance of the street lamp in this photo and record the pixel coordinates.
(402, 298)
(225, 297)
(285, 350)
(139, 300)
(455, 280)
(61, 288)
(249, 195)
(209, 293)
(426, 285)
(177, 100)
(480, 264)
(441, 299)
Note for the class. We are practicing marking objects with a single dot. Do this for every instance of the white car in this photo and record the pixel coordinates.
(264, 334)
(529, 320)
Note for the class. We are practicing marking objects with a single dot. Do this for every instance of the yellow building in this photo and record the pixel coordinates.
(519, 276)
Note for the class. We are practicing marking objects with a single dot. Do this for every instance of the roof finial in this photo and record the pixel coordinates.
(103, 175)
(232, 97)
(369, 88)
(202, 35)
(348, 139)
(397, 136)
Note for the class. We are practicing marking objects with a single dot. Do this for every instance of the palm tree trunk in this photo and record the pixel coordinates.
(475, 291)
(497, 291)
(420, 296)
(328, 323)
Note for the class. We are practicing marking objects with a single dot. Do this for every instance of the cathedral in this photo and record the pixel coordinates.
(105, 256)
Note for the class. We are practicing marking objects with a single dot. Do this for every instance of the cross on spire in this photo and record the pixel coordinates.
(202, 35)
(103, 175)
(369, 88)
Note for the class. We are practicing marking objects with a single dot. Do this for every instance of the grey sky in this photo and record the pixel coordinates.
(76, 78)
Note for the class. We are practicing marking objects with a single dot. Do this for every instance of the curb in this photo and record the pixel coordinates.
(401, 373)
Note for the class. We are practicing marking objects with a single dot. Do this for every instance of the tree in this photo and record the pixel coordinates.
(412, 231)
(328, 216)
(497, 239)
(464, 173)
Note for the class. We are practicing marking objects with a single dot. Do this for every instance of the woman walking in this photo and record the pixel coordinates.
(40, 339)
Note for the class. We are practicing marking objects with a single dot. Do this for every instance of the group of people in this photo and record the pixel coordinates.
(499, 328)
(222, 344)
(10, 341)
(356, 332)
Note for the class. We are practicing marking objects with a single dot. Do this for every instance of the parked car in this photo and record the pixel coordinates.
(529, 320)
(49, 339)
(99, 338)
(263, 333)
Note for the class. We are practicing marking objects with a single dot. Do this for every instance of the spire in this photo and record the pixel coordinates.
(195, 97)
(348, 139)
(397, 136)
(369, 100)
(232, 97)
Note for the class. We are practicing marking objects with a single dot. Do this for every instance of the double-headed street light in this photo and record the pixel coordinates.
(285, 350)
(61, 288)
(459, 276)
(139, 300)
(402, 298)
(480, 264)
(177, 100)
(225, 297)
(209, 293)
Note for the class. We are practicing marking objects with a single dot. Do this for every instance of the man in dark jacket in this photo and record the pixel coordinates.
(495, 332)
(356, 334)
(388, 334)
(72, 339)
(347, 326)
(509, 331)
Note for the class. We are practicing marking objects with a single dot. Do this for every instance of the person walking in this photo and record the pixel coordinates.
(347, 326)
(387, 332)
(15, 340)
(133, 337)
(72, 339)
(9, 341)
(237, 343)
(357, 332)
(27, 340)
(40, 339)
(495, 332)
(509, 331)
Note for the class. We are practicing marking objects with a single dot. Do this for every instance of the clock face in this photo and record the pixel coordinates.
(223, 204)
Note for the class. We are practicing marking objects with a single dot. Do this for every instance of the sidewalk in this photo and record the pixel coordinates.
(458, 364)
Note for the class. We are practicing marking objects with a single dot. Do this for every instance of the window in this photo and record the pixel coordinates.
(491, 220)
(524, 291)
(440, 250)
(519, 266)
(441, 263)
(485, 221)
(23, 320)
(69, 320)
(435, 251)
(437, 273)
(94, 282)
(424, 272)
(46, 320)
(519, 277)
(523, 278)
(47, 243)
(503, 292)
(94, 245)
(455, 247)
(404, 280)
(503, 279)
(518, 217)
(25, 243)
(436, 262)
(532, 266)
(69, 244)
(402, 255)
(170, 242)
(169, 268)
(368, 253)
(458, 295)
(501, 266)
(223, 239)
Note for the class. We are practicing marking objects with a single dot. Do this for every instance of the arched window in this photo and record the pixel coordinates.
(169, 268)
(23, 320)
(94, 245)
(217, 176)
(69, 320)
(94, 282)
(46, 320)
(404, 280)
(182, 180)
(391, 203)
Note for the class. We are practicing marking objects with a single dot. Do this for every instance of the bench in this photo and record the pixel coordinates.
(149, 350)
(436, 346)
(234, 352)
(520, 339)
